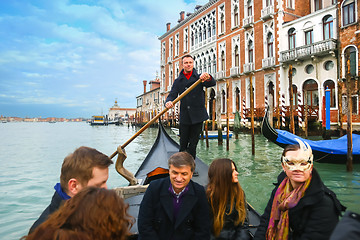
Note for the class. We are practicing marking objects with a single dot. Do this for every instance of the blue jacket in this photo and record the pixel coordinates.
(156, 221)
(192, 107)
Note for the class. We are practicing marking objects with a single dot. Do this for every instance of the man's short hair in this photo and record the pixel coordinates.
(80, 164)
(187, 55)
(181, 159)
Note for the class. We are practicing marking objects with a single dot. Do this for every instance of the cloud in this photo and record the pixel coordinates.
(77, 53)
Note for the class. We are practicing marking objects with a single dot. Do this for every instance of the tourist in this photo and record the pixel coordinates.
(192, 107)
(227, 202)
(175, 207)
(300, 206)
(85, 167)
(93, 213)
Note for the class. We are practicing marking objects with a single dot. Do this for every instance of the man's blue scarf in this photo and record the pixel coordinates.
(62, 194)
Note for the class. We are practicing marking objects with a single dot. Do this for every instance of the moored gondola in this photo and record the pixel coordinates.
(325, 151)
(155, 166)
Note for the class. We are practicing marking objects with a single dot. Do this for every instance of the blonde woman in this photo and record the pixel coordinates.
(227, 201)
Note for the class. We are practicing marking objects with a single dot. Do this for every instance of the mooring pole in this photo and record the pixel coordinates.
(292, 124)
(306, 113)
(278, 108)
(227, 115)
(349, 162)
(252, 117)
(340, 89)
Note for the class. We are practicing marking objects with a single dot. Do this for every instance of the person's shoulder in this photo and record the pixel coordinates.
(197, 187)
(158, 183)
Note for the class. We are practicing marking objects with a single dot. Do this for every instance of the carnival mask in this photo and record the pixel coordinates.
(303, 161)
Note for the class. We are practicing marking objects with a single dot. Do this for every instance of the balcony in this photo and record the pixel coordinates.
(162, 62)
(170, 59)
(321, 48)
(249, 67)
(248, 22)
(234, 71)
(220, 75)
(268, 62)
(267, 13)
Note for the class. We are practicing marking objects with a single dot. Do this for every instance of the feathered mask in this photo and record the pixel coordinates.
(302, 161)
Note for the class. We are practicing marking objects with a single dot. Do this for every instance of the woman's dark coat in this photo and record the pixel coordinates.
(192, 107)
(156, 221)
(314, 217)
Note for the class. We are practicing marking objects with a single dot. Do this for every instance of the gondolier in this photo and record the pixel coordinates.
(192, 107)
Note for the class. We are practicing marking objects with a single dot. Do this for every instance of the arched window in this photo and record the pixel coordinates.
(223, 101)
(328, 27)
(222, 61)
(329, 84)
(292, 38)
(209, 65)
(249, 8)
(237, 61)
(250, 51)
(196, 37)
(351, 52)
(237, 99)
(236, 16)
(270, 45)
(222, 23)
(192, 39)
(213, 28)
(209, 30)
(312, 95)
(214, 63)
(348, 12)
(200, 35)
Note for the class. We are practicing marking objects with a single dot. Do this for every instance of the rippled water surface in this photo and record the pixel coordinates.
(31, 155)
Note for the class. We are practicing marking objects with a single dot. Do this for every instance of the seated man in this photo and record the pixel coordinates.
(175, 207)
(85, 167)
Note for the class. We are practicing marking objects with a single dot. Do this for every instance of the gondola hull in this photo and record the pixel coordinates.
(325, 151)
(157, 157)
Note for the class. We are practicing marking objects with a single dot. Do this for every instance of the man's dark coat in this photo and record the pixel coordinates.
(54, 205)
(192, 106)
(156, 219)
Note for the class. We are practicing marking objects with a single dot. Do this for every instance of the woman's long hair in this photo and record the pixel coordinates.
(93, 213)
(222, 191)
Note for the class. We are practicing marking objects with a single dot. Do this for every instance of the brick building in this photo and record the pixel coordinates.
(243, 42)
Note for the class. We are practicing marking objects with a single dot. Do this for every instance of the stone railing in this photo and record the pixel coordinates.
(268, 62)
(267, 12)
(307, 51)
(248, 21)
(234, 71)
(249, 67)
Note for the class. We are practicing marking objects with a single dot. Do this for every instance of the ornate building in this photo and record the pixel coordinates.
(254, 42)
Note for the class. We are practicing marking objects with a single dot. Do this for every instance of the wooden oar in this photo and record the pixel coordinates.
(155, 118)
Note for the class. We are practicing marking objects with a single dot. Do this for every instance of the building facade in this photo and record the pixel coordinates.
(148, 103)
(255, 42)
(124, 114)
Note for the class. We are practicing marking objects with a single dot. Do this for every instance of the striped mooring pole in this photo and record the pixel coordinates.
(283, 109)
(299, 109)
(243, 111)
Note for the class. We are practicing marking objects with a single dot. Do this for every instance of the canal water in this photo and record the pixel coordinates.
(31, 155)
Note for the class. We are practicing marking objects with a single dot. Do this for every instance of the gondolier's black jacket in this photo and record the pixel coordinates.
(156, 222)
(314, 217)
(192, 107)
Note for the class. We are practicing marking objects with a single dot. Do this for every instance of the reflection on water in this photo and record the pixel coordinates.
(32, 153)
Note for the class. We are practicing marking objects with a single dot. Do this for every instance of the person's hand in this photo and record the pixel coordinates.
(205, 77)
(169, 104)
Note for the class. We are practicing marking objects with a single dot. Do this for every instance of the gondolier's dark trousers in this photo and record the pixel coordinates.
(189, 137)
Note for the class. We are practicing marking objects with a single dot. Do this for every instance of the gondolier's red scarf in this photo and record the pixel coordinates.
(285, 198)
(188, 75)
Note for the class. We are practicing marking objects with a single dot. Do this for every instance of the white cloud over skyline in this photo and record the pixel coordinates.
(73, 58)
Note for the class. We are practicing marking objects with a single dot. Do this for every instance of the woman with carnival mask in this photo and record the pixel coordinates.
(300, 206)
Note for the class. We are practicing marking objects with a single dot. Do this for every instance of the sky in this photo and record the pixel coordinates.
(74, 58)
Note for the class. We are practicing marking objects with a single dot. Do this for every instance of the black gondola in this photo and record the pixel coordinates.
(155, 166)
(325, 151)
